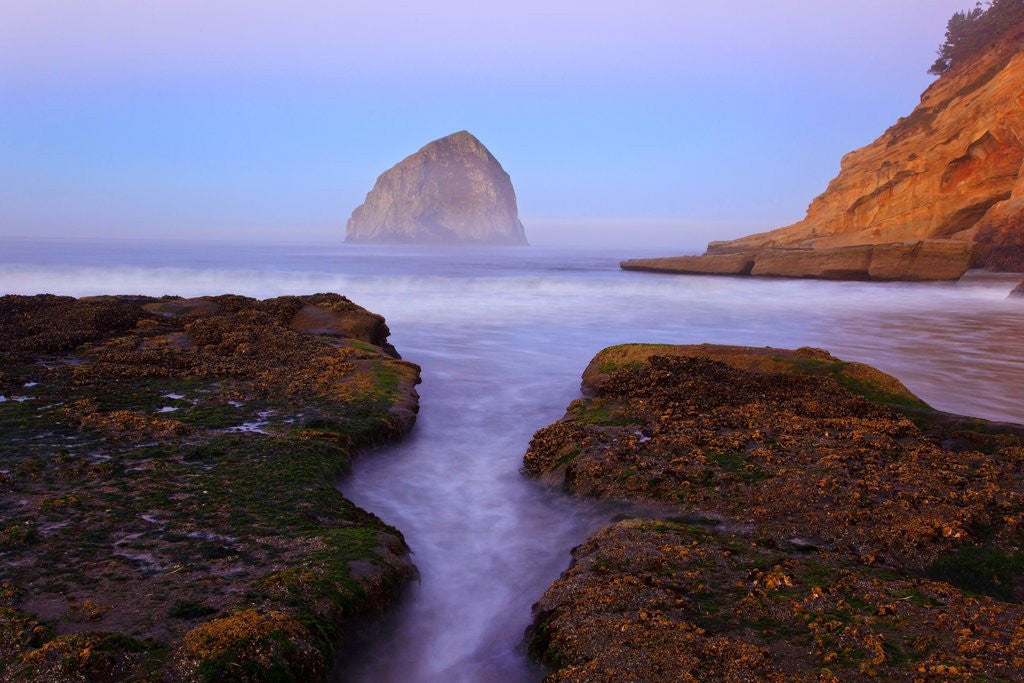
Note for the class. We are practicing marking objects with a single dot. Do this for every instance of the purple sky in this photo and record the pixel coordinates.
(263, 120)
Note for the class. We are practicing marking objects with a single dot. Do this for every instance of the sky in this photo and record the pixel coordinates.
(665, 121)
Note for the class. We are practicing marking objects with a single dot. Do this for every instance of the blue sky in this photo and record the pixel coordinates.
(665, 121)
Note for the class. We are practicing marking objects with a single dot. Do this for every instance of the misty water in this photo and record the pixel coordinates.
(502, 337)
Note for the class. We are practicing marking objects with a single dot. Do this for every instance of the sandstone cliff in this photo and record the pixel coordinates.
(945, 179)
(452, 191)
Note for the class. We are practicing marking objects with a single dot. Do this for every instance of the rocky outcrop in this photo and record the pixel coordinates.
(923, 260)
(740, 263)
(951, 171)
(811, 519)
(181, 455)
(452, 191)
(1018, 292)
(736, 430)
(660, 600)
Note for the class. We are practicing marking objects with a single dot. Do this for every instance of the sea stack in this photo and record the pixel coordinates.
(451, 192)
(941, 191)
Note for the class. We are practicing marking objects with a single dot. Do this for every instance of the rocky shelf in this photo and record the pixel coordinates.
(914, 261)
(167, 484)
(818, 522)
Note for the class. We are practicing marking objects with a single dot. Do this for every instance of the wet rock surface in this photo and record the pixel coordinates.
(821, 521)
(167, 488)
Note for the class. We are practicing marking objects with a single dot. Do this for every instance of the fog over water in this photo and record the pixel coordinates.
(502, 337)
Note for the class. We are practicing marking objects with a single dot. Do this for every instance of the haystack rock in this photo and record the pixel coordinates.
(939, 192)
(452, 191)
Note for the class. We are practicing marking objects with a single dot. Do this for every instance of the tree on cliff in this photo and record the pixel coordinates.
(971, 31)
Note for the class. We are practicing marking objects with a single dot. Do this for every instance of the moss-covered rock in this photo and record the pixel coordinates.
(102, 657)
(167, 483)
(861, 379)
(804, 465)
(249, 645)
(797, 443)
(648, 600)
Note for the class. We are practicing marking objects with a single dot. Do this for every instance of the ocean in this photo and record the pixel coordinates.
(502, 336)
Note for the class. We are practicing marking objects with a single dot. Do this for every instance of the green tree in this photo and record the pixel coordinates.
(971, 31)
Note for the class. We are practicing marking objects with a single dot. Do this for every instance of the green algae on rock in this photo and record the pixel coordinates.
(662, 601)
(861, 379)
(800, 460)
(167, 483)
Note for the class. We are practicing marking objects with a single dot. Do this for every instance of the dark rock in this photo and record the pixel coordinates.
(847, 531)
(182, 456)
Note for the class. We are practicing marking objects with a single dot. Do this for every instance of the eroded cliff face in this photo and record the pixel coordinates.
(939, 192)
(452, 191)
(951, 170)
